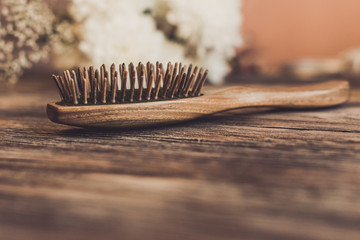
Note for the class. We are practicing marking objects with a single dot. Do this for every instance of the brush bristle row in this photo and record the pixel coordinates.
(93, 86)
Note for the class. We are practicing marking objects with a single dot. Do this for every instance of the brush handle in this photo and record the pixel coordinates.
(306, 96)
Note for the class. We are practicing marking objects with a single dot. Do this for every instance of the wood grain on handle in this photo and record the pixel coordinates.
(166, 112)
(325, 94)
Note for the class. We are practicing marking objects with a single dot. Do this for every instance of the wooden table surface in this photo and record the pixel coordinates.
(246, 174)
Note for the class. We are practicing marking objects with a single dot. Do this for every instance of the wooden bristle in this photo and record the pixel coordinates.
(84, 91)
(157, 83)
(123, 85)
(188, 75)
(66, 88)
(147, 72)
(96, 86)
(201, 84)
(132, 81)
(59, 85)
(180, 87)
(91, 77)
(79, 76)
(162, 72)
(168, 77)
(120, 74)
(197, 82)
(74, 76)
(191, 83)
(157, 70)
(172, 90)
(188, 84)
(87, 81)
(67, 85)
(75, 100)
(154, 82)
(174, 75)
(149, 87)
(104, 90)
(113, 86)
(102, 75)
(141, 81)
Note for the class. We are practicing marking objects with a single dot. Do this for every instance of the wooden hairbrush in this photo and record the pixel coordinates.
(97, 98)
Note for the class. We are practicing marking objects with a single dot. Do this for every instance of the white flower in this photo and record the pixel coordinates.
(211, 30)
(203, 32)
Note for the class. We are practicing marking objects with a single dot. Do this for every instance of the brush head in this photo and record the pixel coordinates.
(129, 84)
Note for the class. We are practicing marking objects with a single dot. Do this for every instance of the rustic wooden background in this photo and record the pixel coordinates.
(246, 174)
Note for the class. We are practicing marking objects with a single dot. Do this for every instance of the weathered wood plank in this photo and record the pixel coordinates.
(246, 174)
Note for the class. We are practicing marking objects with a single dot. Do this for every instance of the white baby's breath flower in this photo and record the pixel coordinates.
(203, 32)
(23, 27)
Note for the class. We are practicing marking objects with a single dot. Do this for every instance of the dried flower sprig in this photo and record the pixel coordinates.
(25, 29)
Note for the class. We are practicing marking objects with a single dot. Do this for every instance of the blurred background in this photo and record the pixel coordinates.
(282, 32)
(234, 39)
